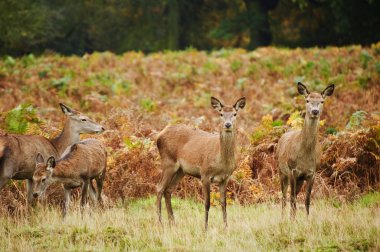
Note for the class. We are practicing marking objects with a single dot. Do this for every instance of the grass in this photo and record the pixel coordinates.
(134, 227)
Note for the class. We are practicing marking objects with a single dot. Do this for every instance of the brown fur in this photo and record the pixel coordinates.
(299, 152)
(85, 161)
(19, 151)
(210, 157)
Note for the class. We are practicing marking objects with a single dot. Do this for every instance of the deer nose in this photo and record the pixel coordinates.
(315, 112)
(228, 125)
(35, 195)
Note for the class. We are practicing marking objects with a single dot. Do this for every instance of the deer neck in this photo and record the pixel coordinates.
(62, 172)
(227, 148)
(67, 137)
(309, 134)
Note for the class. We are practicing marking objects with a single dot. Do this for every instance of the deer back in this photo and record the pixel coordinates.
(196, 150)
(19, 154)
(86, 159)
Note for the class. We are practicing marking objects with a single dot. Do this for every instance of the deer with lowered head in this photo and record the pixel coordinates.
(83, 162)
(18, 152)
(299, 151)
(210, 157)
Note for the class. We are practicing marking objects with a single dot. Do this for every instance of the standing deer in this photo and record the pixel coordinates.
(299, 151)
(18, 152)
(85, 161)
(210, 157)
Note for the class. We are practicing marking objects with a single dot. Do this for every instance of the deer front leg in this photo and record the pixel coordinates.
(309, 187)
(284, 187)
(67, 201)
(84, 193)
(206, 194)
(29, 190)
(293, 192)
(223, 200)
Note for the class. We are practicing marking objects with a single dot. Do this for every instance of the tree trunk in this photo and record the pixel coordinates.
(260, 34)
(173, 25)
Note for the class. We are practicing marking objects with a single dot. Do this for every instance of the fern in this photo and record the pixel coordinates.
(17, 120)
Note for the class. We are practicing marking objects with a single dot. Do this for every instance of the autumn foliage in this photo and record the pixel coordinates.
(134, 96)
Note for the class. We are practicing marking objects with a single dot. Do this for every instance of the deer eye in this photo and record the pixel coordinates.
(43, 180)
(322, 102)
(83, 120)
(221, 115)
(235, 114)
(307, 101)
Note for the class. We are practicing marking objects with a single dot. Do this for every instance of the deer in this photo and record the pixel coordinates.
(298, 152)
(85, 161)
(210, 157)
(18, 152)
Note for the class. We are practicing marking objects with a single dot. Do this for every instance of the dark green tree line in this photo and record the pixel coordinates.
(79, 26)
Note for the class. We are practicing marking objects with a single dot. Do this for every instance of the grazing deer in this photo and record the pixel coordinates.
(299, 151)
(18, 152)
(85, 161)
(210, 157)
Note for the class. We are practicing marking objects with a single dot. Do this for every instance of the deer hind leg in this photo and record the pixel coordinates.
(223, 200)
(309, 187)
(169, 169)
(206, 184)
(284, 187)
(168, 194)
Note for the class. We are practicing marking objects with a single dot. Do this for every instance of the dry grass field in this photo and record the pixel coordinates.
(133, 227)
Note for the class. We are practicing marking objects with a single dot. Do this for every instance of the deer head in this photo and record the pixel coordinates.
(42, 177)
(314, 100)
(227, 113)
(81, 124)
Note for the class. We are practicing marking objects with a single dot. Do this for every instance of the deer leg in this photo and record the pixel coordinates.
(168, 171)
(3, 182)
(168, 194)
(293, 195)
(91, 192)
(84, 193)
(99, 185)
(206, 194)
(67, 201)
(309, 187)
(223, 200)
(284, 188)
(29, 190)
(299, 183)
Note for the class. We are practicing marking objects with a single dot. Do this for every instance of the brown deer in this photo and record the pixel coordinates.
(299, 151)
(18, 152)
(210, 157)
(86, 161)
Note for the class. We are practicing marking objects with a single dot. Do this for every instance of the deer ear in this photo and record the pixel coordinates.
(50, 162)
(66, 110)
(240, 104)
(302, 89)
(39, 159)
(328, 91)
(216, 104)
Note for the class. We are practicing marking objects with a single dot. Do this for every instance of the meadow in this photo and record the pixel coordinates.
(133, 227)
(134, 96)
